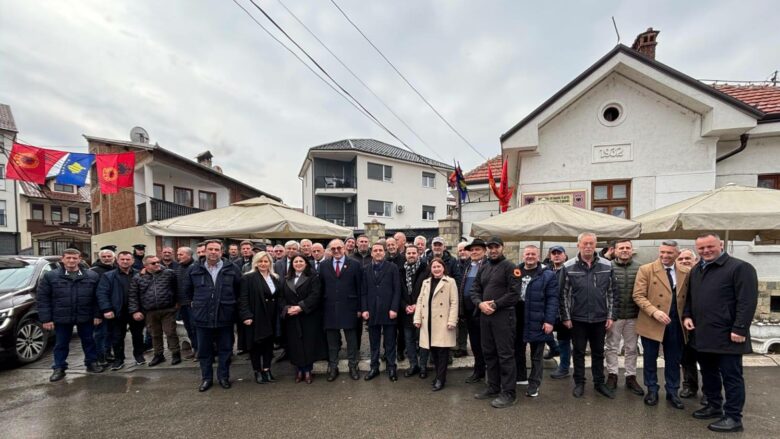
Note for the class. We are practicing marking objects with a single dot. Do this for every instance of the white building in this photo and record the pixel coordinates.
(630, 135)
(481, 203)
(354, 181)
(9, 229)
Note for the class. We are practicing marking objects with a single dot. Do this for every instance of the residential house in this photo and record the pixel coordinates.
(9, 229)
(481, 202)
(630, 135)
(355, 181)
(166, 185)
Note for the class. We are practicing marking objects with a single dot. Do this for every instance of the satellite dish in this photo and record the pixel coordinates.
(139, 135)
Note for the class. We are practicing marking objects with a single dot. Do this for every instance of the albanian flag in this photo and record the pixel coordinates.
(30, 163)
(115, 171)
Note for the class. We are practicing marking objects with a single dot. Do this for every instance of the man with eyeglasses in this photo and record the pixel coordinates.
(154, 296)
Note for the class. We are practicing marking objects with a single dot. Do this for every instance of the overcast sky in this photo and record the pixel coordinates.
(199, 74)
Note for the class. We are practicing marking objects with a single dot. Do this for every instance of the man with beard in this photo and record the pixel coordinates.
(167, 260)
(363, 253)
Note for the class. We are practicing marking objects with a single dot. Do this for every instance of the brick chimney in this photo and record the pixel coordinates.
(645, 42)
(204, 158)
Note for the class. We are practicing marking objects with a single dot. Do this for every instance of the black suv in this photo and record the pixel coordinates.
(22, 336)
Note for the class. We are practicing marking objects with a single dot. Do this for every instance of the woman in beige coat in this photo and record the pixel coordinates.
(436, 315)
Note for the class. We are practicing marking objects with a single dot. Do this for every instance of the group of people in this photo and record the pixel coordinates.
(422, 304)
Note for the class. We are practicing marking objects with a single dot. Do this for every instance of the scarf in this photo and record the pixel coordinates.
(410, 271)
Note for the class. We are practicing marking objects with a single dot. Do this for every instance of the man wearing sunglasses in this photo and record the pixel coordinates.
(154, 296)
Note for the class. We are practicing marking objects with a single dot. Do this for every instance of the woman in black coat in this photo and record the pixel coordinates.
(301, 312)
(258, 309)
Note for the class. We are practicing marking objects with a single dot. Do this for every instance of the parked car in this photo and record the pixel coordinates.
(22, 337)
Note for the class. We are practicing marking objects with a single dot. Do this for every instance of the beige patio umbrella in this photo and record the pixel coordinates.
(260, 217)
(546, 221)
(736, 212)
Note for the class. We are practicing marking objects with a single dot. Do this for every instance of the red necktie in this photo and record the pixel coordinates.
(338, 267)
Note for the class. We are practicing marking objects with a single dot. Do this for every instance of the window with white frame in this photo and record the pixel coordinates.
(429, 213)
(3, 219)
(2, 177)
(380, 208)
(428, 179)
(380, 172)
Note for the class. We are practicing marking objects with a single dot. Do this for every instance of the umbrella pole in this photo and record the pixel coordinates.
(727, 243)
(541, 248)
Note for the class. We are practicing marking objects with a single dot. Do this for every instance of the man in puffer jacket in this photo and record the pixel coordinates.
(154, 296)
(66, 297)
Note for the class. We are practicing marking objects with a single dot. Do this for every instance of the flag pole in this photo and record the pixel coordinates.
(458, 207)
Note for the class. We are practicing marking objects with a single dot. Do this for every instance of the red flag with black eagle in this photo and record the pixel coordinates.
(30, 163)
(115, 171)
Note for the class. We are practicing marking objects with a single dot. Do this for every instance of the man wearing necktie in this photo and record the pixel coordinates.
(659, 291)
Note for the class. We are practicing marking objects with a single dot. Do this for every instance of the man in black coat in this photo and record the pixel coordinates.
(722, 298)
(282, 265)
(103, 333)
(495, 292)
(113, 293)
(66, 298)
(381, 299)
(184, 257)
(139, 250)
(412, 274)
(213, 288)
(340, 280)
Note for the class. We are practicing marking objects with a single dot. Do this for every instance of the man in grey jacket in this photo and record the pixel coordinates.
(588, 303)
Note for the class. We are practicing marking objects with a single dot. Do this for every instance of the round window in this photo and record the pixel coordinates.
(611, 114)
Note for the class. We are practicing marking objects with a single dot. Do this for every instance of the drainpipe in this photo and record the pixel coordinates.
(743, 140)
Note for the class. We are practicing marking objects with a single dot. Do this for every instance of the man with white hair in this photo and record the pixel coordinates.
(281, 266)
(421, 243)
(306, 248)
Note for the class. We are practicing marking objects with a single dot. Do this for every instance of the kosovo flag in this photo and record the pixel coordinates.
(74, 170)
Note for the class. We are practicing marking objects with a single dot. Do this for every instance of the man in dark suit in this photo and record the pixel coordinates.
(340, 279)
(380, 302)
(281, 266)
(317, 256)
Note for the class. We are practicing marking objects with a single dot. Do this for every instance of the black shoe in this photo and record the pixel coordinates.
(726, 425)
(423, 373)
(612, 381)
(354, 373)
(265, 376)
(204, 385)
(157, 359)
(332, 374)
(552, 354)
(687, 393)
(270, 376)
(708, 412)
(475, 378)
(486, 394)
(604, 390)
(101, 359)
(110, 357)
(437, 385)
(57, 375)
(651, 398)
(412, 371)
(559, 374)
(224, 383)
(503, 401)
(259, 377)
(118, 364)
(675, 401)
(579, 390)
(532, 392)
(373, 373)
(175, 359)
(95, 368)
(392, 374)
(140, 360)
(633, 386)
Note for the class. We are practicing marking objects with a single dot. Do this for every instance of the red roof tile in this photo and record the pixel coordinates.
(480, 173)
(764, 97)
(34, 190)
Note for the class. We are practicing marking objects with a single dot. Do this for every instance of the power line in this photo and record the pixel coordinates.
(354, 75)
(366, 112)
(408, 82)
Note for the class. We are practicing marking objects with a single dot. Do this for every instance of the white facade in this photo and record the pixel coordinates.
(8, 199)
(665, 143)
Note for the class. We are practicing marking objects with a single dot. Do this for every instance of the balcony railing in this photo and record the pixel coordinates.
(40, 226)
(335, 183)
(340, 219)
(162, 210)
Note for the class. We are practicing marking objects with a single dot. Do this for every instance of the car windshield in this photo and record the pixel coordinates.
(15, 276)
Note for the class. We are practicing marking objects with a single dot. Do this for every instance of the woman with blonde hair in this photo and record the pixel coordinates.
(436, 315)
(258, 309)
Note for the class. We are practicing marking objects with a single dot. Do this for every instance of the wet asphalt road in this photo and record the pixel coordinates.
(164, 402)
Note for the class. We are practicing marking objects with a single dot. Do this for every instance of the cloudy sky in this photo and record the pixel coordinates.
(200, 74)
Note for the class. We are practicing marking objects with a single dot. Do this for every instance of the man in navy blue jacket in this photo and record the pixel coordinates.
(112, 296)
(66, 297)
(212, 288)
(381, 299)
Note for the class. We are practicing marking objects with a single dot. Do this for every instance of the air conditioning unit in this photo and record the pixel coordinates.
(399, 208)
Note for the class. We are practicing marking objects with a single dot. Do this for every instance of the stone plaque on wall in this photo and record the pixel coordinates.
(574, 198)
(620, 152)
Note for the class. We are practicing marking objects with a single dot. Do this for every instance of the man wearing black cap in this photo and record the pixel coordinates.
(476, 250)
(138, 256)
(496, 291)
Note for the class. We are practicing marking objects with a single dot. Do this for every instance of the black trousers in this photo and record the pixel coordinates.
(723, 371)
(537, 364)
(688, 363)
(582, 334)
(119, 326)
(261, 353)
(475, 338)
(498, 346)
(375, 335)
(440, 357)
(520, 344)
(334, 346)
